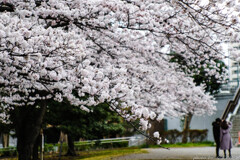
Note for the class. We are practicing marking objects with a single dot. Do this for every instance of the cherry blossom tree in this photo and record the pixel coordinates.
(212, 84)
(112, 51)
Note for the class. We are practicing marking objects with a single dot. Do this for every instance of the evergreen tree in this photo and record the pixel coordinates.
(100, 122)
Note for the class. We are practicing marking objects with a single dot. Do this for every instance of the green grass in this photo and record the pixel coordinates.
(109, 153)
(106, 154)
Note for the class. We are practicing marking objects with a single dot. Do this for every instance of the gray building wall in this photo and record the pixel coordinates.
(204, 121)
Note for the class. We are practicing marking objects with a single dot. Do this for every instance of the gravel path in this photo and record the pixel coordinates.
(198, 153)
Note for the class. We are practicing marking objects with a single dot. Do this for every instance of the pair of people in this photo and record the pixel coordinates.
(222, 137)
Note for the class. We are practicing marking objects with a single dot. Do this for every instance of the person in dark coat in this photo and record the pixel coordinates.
(225, 137)
(216, 134)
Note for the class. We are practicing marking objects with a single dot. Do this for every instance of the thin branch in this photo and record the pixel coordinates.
(142, 133)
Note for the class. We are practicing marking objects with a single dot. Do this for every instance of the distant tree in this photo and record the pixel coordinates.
(201, 76)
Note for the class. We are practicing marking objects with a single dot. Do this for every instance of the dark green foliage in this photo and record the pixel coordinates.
(49, 147)
(201, 76)
(104, 122)
(99, 123)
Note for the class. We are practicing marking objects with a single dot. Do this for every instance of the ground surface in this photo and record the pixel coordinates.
(196, 153)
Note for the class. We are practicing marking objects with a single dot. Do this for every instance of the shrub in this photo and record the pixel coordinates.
(172, 135)
(83, 146)
(49, 147)
(8, 152)
(195, 135)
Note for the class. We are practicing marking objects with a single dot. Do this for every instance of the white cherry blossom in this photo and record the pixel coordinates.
(113, 51)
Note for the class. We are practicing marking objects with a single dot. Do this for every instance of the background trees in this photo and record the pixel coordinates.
(111, 51)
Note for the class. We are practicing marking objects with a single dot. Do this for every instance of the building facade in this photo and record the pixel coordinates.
(233, 64)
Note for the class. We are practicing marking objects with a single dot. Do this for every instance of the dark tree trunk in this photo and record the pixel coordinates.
(28, 121)
(35, 148)
(71, 149)
(187, 121)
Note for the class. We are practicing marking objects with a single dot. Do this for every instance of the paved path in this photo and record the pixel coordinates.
(195, 153)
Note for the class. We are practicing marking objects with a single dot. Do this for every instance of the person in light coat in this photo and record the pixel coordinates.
(225, 137)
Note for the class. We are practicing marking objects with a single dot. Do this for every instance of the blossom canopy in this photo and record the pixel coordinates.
(112, 51)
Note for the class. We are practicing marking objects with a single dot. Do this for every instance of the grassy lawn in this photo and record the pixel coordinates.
(109, 154)
(106, 154)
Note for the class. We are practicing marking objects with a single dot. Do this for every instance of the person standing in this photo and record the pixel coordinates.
(225, 137)
(216, 134)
